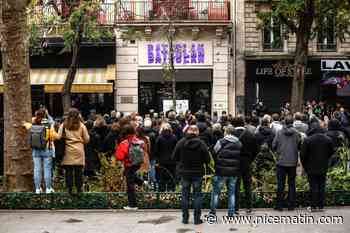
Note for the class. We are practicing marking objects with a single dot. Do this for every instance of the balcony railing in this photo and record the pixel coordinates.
(47, 16)
(175, 10)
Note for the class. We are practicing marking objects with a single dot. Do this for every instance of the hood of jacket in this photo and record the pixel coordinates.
(231, 138)
(289, 130)
(202, 126)
(265, 131)
(192, 142)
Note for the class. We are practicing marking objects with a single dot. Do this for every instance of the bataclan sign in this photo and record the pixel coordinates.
(335, 65)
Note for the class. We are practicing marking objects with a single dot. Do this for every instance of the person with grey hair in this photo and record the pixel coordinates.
(227, 153)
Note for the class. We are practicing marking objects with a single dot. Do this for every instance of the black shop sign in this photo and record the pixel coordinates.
(279, 69)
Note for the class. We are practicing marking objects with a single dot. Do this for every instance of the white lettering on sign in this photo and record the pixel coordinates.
(186, 53)
(335, 65)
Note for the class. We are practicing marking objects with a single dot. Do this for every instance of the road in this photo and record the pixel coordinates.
(169, 221)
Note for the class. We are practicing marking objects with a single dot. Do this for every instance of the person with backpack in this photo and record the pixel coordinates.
(227, 153)
(42, 136)
(131, 152)
(76, 136)
(192, 154)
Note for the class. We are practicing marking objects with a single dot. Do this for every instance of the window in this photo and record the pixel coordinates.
(272, 36)
(326, 39)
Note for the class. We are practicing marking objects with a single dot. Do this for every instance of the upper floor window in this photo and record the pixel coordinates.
(326, 38)
(272, 36)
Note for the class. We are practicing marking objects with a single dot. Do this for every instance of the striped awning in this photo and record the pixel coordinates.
(89, 80)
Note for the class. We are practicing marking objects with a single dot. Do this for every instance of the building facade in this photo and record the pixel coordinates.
(265, 62)
(201, 41)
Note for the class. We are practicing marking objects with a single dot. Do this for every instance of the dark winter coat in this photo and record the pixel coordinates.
(249, 146)
(1, 151)
(176, 127)
(192, 154)
(110, 142)
(152, 134)
(264, 159)
(205, 133)
(265, 135)
(164, 148)
(102, 133)
(315, 153)
(227, 153)
(92, 161)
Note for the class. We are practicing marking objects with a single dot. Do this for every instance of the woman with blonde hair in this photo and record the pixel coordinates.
(76, 136)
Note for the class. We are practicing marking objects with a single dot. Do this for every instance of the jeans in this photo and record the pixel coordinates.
(131, 180)
(74, 173)
(152, 171)
(282, 173)
(247, 183)
(196, 183)
(218, 184)
(317, 188)
(42, 157)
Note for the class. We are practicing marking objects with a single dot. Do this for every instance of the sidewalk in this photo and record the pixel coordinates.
(160, 221)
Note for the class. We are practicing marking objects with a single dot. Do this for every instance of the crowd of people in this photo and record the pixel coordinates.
(177, 148)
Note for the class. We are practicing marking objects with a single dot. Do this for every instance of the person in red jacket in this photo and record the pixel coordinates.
(122, 154)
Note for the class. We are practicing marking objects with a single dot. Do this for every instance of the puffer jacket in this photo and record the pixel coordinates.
(227, 156)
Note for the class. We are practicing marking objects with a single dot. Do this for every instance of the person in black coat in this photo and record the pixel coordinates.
(205, 132)
(163, 150)
(192, 154)
(338, 138)
(315, 153)
(227, 153)
(264, 159)
(248, 154)
(112, 139)
(92, 161)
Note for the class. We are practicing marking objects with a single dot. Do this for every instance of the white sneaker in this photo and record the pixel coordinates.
(49, 190)
(37, 191)
(130, 208)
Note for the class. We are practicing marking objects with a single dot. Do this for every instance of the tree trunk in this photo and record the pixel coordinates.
(300, 62)
(68, 83)
(172, 70)
(17, 95)
(303, 35)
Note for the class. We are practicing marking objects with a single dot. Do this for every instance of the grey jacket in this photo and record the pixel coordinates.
(286, 144)
(301, 126)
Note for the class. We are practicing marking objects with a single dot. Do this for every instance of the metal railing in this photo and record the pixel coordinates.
(180, 10)
(47, 16)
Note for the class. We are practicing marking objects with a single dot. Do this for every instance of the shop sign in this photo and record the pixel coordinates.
(335, 65)
(186, 53)
(280, 69)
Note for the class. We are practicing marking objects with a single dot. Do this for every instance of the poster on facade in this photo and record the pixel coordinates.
(181, 105)
(186, 53)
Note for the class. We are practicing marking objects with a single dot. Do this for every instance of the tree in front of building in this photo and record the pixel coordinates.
(17, 96)
(79, 21)
(305, 19)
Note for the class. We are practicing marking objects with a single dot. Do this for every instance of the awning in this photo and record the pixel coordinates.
(90, 80)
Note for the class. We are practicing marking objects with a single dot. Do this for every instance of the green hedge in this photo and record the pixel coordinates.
(145, 200)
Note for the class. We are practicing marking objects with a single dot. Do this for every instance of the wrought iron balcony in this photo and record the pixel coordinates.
(161, 11)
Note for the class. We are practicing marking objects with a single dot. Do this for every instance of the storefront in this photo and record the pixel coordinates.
(201, 75)
(335, 81)
(270, 81)
(92, 87)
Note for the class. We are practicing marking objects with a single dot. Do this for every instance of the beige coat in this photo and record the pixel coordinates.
(75, 140)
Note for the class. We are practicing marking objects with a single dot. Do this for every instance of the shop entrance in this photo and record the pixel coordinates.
(195, 86)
